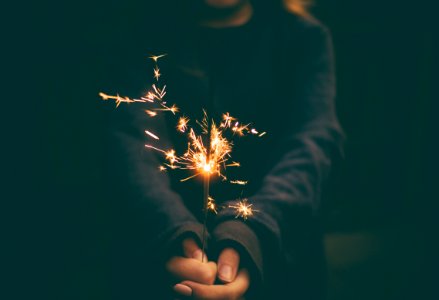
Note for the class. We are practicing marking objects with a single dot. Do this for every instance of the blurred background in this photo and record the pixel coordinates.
(381, 203)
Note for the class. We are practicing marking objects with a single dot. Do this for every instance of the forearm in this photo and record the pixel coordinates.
(303, 151)
(134, 174)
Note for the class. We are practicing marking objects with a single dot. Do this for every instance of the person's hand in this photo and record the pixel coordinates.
(235, 283)
(190, 266)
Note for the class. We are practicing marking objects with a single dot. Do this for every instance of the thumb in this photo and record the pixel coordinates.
(228, 265)
(192, 250)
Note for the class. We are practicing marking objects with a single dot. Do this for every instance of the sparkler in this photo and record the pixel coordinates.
(207, 160)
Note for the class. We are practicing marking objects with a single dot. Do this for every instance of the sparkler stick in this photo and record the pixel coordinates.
(206, 211)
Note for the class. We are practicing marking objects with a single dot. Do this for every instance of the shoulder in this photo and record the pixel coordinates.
(299, 28)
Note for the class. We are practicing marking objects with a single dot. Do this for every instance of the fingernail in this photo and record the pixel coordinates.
(183, 289)
(198, 255)
(225, 273)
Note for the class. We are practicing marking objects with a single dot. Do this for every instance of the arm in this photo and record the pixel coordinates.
(135, 178)
(289, 196)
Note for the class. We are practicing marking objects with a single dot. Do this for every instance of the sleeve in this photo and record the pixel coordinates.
(236, 234)
(288, 199)
(136, 179)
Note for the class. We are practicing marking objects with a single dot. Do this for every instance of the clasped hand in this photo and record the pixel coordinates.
(208, 280)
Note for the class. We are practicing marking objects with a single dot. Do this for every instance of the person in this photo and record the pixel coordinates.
(268, 62)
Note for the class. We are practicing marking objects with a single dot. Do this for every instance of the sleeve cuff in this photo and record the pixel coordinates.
(238, 233)
(171, 245)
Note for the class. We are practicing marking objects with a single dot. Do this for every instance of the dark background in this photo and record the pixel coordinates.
(381, 204)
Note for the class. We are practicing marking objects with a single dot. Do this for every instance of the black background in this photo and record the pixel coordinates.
(381, 204)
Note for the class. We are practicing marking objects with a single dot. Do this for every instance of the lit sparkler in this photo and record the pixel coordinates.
(208, 152)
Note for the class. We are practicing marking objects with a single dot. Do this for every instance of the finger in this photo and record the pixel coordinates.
(183, 290)
(228, 264)
(191, 269)
(232, 291)
(192, 250)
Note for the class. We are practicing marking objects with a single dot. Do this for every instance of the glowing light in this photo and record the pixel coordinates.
(155, 58)
(151, 113)
(207, 168)
(211, 205)
(182, 124)
(243, 209)
(173, 109)
(157, 73)
(240, 182)
(227, 120)
(151, 135)
(240, 129)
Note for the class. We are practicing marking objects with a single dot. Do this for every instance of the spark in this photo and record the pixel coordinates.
(209, 160)
(243, 209)
(241, 130)
(151, 113)
(155, 148)
(262, 134)
(171, 157)
(240, 182)
(105, 96)
(157, 73)
(211, 205)
(227, 120)
(151, 135)
(234, 164)
(118, 99)
(159, 93)
(182, 124)
(155, 58)
(173, 109)
(162, 168)
(204, 123)
(150, 96)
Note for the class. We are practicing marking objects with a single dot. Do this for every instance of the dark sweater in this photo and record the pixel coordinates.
(279, 76)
